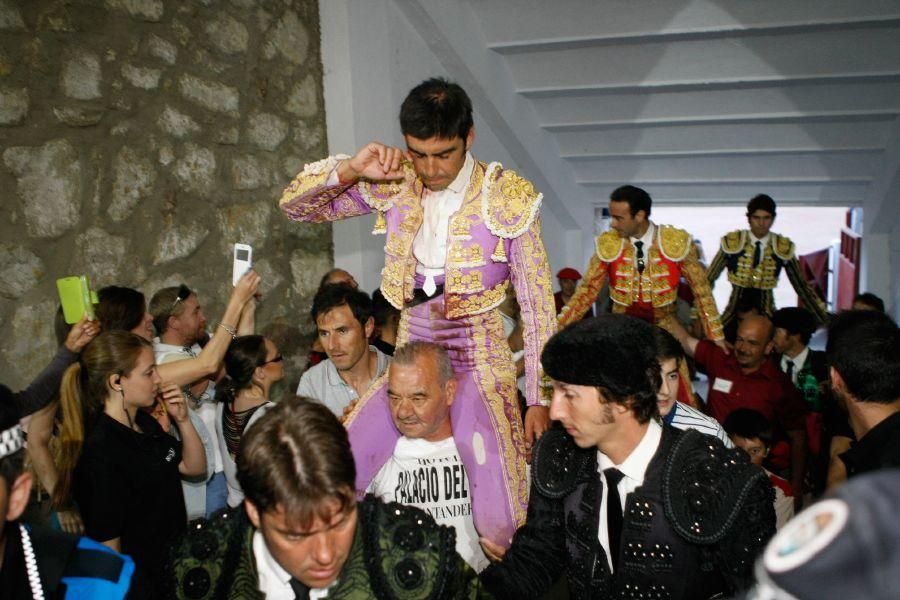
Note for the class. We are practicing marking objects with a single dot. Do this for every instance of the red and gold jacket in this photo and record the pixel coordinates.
(650, 295)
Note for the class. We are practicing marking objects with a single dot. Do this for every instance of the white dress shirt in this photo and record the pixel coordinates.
(762, 241)
(430, 243)
(633, 468)
(798, 361)
(274, 581)
(647, 239)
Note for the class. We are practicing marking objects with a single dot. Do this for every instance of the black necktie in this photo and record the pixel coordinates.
(790, 369)
(640, 256)
(301, 592)
(757, 254)
(613, 514)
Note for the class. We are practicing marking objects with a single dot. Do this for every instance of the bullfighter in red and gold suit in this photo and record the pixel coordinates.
(644, 263)
(459, 232)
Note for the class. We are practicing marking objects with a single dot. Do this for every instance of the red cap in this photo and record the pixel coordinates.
(568, 273)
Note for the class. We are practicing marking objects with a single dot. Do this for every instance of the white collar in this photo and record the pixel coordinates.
(798, 360)
(763, 240)
(461, 182)
(274, 581)
(635, 466)
(647, 238)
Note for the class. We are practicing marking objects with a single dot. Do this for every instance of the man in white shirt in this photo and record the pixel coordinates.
(425, 469)
(621, 505)
(343, 317)
(180, 323)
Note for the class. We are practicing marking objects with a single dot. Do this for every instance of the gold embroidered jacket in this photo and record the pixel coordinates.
(736, 254)
(671, 256)
(494, 239)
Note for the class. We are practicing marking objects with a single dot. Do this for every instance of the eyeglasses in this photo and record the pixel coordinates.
(183, 293)
(278, 358)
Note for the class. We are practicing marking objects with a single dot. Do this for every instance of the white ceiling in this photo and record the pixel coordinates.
(708, 101)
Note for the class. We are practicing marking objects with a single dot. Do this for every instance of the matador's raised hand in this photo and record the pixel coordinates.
(373, 161)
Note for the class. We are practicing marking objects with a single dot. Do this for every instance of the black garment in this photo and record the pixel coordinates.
(383, 346)
(127, 486)
(878, 449)
(397, 552)
(692, 530)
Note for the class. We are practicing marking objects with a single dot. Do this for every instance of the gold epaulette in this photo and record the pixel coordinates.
(782, 247)
(674, 243)
(380, 194)
(609, 245)
(509, 203)
(733, 242)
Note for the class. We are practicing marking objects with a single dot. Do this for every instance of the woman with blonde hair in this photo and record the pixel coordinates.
(126, 474)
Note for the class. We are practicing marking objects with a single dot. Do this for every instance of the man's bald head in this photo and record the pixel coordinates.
(754, 342)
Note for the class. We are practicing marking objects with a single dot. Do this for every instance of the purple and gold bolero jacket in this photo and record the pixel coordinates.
(494, 239)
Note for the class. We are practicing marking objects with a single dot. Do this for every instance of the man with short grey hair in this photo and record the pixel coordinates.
(425, 470)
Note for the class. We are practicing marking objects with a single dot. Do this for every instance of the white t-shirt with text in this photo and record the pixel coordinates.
(431, 476)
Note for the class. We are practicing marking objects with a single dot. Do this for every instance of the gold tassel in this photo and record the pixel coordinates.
(499, 254)
(380, 224)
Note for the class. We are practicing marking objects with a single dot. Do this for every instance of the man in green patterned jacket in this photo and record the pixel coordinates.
(302, 534)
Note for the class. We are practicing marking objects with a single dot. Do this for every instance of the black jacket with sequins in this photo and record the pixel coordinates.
(692, 530)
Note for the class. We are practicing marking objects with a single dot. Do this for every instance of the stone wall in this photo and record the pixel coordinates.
(140, 139)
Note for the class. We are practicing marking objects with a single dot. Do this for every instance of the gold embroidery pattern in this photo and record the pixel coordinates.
(380, 224)
(783, 247)
(353, 409)
(496, 380)
(609, 246)
(396, 245)
(734, 241)
(380, 194)
(398, 275)
(471, 256)
(463, 306)
(458, 282)
(762, 277)
(510, 203)
(460, 230)
(499, 253)
(301, 185)
(674, 243)
(704, 302)
(530, 274)
(312, 176)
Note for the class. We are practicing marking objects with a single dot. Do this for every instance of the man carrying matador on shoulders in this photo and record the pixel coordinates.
(459, 232)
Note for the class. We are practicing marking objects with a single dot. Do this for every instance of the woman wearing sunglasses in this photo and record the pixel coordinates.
(252, 365)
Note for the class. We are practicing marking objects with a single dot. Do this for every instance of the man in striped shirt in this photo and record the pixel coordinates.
(677, 414)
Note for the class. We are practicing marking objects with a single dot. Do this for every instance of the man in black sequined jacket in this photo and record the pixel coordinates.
(301, 534)
(687, 517)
